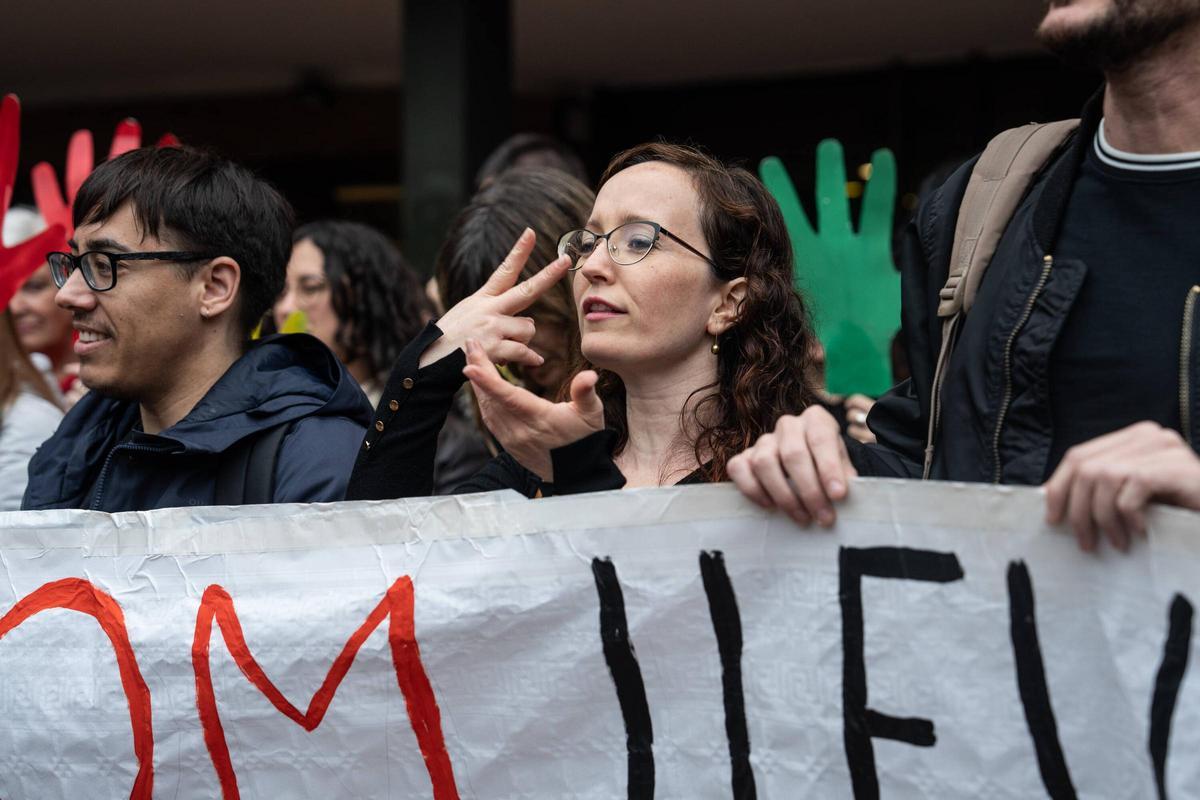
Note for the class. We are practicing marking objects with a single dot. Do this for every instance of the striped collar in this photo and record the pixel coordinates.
(1137, 162)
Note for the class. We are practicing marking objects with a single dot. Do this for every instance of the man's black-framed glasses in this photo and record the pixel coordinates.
(627, 244)
(100, 268)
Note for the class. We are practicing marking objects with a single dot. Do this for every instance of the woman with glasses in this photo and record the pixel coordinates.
(693, 342)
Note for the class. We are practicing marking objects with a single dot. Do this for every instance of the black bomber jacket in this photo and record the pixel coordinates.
(996, 423)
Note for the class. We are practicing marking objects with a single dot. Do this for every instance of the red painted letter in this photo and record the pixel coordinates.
(423, 712)
(76, 594)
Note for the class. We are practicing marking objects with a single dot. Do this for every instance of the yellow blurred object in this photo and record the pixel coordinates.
(296, 322)
(508, 375)
(865, 170)
(854, 189)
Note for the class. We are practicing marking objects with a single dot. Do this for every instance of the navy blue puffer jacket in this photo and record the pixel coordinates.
(100, 460)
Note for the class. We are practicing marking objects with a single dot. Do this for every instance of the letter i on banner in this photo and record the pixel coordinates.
(627, 679)
(1176, 651)
(727, 626)
(1031, 680)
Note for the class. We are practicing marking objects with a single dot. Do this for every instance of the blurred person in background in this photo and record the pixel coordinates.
(549, 202)
(533, 151)
(361, 299)
(693, 338)
(41, 325)
(29, 414)
(358, 296)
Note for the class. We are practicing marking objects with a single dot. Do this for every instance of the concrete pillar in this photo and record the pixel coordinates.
(456, 107)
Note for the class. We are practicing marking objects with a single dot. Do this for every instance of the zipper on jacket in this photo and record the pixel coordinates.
(1185, 365)
(108, 462)
(1006, 397)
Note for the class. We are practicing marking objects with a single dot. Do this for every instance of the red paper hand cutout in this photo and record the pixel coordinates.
(17, 263)
(53, 205)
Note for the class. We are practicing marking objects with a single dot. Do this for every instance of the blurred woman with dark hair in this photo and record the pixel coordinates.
(363, 301)
(694, 342)
(358, 296)
(29, 414)
(549, 202)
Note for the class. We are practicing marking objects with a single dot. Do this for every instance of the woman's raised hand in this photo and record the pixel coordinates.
(488, 315)
(528, 426)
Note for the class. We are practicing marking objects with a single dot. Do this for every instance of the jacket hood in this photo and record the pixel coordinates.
(278, 380)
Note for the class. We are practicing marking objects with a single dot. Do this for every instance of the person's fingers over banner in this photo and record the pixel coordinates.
(1102, 487)
(767, 466)
(808, 450)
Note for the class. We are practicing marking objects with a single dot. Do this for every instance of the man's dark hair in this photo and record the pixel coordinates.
(211, 204)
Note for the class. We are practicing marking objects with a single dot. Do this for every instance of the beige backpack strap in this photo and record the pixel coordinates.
(998, 183)
(996, 187)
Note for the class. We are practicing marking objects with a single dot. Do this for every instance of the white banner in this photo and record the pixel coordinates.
(674, 643)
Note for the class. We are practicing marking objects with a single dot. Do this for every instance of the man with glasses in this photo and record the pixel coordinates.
(175, 258)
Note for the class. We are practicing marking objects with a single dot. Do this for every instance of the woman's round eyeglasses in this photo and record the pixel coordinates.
(627, 244)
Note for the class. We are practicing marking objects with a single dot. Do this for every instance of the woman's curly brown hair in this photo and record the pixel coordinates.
(764, 358)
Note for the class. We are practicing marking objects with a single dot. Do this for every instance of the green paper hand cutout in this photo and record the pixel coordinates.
(846, 277)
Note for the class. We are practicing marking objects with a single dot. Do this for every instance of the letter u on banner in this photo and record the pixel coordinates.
(423, 714)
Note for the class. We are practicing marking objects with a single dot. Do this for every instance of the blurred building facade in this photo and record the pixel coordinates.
(382, 110)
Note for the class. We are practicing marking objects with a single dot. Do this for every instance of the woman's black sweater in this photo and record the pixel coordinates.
(396, 458)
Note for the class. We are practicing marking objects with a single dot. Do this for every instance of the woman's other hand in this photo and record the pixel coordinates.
(528, 426)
